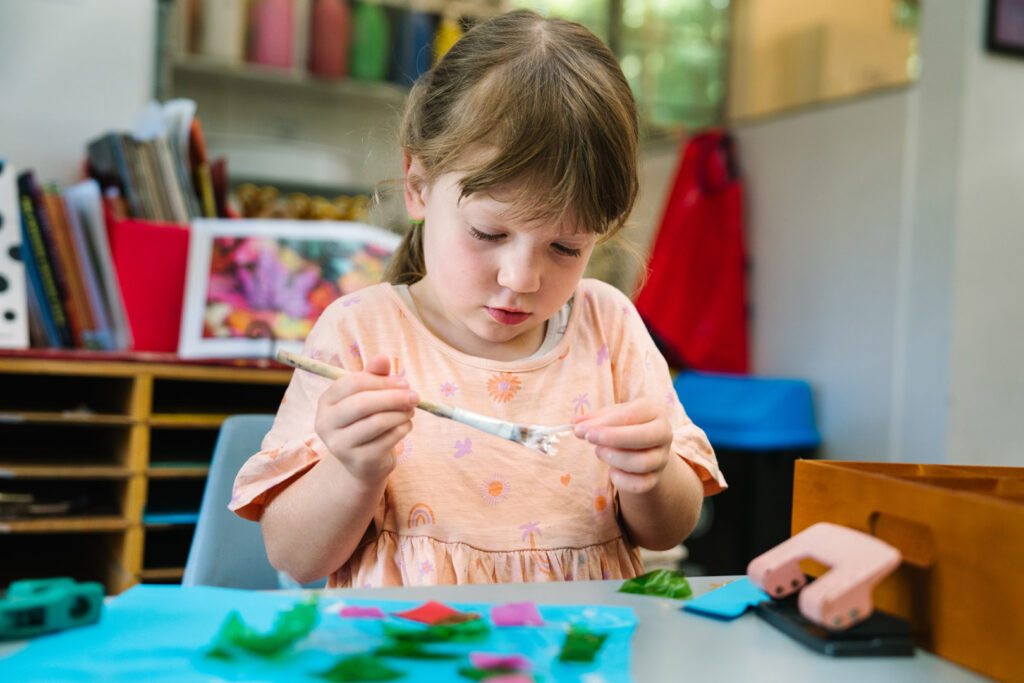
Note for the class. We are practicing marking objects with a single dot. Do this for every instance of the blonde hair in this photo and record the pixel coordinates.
(533, 106)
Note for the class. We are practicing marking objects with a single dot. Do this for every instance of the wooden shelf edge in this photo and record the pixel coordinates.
(67, 418)
(55, 525)
(162, 573)
(185, 421)
(191, 472)
(10, 470)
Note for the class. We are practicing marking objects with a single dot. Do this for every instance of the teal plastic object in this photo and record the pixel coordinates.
(745, 412)
(37, 606)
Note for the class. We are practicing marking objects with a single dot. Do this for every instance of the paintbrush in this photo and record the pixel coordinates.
(535, 437)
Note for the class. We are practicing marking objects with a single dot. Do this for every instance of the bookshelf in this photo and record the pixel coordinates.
(114, 451)
(186, 68)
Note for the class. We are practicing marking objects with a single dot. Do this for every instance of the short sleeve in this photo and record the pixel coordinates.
(641, 370)
(291, 447)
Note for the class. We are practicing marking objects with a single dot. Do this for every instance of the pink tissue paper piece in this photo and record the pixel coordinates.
(487, 660)
(511, 678)
(516, 614)
(362, 612)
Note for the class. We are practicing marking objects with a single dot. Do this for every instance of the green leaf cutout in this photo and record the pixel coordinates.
(661, 582)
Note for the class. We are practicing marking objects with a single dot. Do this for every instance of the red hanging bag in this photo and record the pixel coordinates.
(694, 299)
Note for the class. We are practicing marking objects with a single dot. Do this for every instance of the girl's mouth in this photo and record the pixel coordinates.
(507, 317)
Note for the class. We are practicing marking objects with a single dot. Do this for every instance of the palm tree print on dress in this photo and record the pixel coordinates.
(529, 529)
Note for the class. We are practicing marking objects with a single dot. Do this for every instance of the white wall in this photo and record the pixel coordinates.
(987, 370)
(70, 70)
(886, 234)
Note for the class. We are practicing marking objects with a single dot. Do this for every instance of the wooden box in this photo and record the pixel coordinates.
(961, 532)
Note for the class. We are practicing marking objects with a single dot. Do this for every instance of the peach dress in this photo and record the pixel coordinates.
(462, 506)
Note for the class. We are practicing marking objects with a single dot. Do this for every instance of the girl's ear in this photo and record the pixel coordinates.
(415, 204)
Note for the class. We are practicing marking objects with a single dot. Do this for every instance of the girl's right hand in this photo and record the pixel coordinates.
(361, 417)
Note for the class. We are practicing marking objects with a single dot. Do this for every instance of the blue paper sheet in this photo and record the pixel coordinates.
(728, 601)
(161, 633)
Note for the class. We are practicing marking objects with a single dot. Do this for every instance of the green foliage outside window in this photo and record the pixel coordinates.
(673, 53)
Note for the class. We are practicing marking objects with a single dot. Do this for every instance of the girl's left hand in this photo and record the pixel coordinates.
(633, 438)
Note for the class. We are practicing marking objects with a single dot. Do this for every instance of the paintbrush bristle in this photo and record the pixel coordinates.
(544, 439)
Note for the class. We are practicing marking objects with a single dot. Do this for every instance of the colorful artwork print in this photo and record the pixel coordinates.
(281, 286)
(257, 280)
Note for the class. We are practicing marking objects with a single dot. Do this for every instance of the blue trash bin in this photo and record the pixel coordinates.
(758, 427)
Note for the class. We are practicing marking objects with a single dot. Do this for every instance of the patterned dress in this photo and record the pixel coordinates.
(462, 506)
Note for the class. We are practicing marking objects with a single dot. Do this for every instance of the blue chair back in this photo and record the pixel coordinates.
(227, 550)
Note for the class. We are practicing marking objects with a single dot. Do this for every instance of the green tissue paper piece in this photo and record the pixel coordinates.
(289, 628)
(661, 582)
(360, 668)
(411, 650)
(581, 645)
(467, 631)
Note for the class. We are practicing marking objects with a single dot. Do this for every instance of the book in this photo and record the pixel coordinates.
(85, 199)
(79, 312)
(201, 171)
(50, 295)
(87, 263)
(107, 163)
(14, 290)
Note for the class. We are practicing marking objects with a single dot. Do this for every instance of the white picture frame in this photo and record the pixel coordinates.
(249, 303)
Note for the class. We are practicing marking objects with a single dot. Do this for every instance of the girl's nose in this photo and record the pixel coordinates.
(520, 274)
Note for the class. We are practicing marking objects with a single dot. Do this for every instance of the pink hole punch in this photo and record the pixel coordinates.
(841, 597)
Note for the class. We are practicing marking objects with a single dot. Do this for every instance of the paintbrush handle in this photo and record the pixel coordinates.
(334, 372)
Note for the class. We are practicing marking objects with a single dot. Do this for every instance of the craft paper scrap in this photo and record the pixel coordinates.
(516, 614)
(289, 627)
(361, 612)
(163, 633)
(661, 582)
(728, 601)
(361, 668)
(433, 612)
(490, 660)
(581, 645)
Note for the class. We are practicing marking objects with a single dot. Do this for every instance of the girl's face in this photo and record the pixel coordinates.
(492, 281)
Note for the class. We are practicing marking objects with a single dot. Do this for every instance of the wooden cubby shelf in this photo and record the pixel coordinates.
(113, 455)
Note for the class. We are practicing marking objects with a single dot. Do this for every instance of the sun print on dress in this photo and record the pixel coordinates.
(403, 449)
(503, 386)
(601, 501)
(494, 489)
(448, 389)
(602, 354)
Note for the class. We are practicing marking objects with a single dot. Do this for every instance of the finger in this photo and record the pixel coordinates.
(635, 462)
(378, 365)
(367, 431)
(358, 382)
(640, 410)
(358, 407)
(630, 437)
(383, 442)
(633, 483)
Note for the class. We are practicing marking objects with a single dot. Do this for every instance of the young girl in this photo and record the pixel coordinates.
(520, 154)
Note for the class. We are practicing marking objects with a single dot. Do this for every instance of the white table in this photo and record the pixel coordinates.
(672, 645)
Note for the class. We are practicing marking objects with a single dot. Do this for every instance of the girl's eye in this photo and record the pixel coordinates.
(566, 251)
(485, 236)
